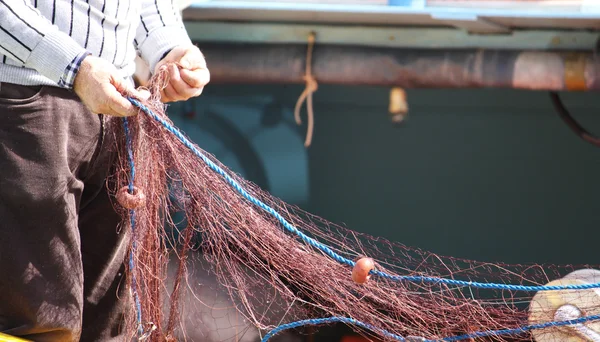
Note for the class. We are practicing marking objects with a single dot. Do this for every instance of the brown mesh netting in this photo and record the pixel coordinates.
(274, 277)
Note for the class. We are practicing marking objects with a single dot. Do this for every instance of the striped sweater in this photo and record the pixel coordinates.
(43, 41)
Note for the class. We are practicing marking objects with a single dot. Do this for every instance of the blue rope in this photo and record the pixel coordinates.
(478, 334)
(328, 251)
(329, 320)
(136, 298)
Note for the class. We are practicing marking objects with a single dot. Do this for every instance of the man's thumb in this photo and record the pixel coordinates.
(141, 94)
(120, 84)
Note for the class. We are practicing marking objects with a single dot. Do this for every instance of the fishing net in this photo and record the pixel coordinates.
(280, 264)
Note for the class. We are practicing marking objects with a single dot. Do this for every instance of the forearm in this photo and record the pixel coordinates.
(160, 30)
(29, 38)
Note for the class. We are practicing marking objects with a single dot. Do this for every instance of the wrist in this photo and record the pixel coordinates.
(165, 54)
(67, 80)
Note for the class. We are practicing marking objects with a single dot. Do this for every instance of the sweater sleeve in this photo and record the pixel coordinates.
(160, 30)
(28, 37)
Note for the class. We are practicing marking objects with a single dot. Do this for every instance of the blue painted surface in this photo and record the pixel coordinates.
(405, 3)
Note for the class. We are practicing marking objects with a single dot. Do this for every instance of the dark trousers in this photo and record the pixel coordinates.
(61, 248)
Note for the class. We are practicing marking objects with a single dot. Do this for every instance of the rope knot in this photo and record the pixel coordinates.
(311, 83)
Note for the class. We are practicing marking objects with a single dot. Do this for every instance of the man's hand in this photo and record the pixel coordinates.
(100, 87)
(188, 73)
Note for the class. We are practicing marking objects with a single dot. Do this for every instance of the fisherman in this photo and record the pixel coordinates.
(64, 67)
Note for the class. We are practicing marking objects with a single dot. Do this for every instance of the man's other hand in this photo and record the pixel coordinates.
(101, 88)
(188, 73)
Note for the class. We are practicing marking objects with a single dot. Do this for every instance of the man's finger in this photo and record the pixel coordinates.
(193, 59)
(120, 105)
(119, 84)
(171, 94)
(163, 97)
(195, 78)
(183, 89)
(198, 92)
(174, 78)
(124, 89)
(141, 94)
(174, 73)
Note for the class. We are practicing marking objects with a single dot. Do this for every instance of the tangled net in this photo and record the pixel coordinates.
(274, 276)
